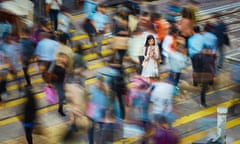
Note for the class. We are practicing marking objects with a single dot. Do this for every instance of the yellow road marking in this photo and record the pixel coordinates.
(203, 113)
(202, 134)
(17, 118)
(19, 101)
(15, 86)
(236, 142)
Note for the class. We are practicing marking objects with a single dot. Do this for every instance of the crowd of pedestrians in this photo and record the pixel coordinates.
(154, 40)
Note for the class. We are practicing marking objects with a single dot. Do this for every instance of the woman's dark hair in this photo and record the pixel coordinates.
(188, 13)
(146, 43)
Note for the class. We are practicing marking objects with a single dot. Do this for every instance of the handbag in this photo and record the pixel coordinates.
(120, 42)
(50, 94)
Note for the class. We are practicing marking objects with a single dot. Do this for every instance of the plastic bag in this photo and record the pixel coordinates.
(50, 95)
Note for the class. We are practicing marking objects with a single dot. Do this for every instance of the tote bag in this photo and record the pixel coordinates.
(50, 95)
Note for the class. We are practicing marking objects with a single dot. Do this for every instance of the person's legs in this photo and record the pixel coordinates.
(26, 75)
(121, 54)
(53, 17)
(203, 94)
(221, 56)
(99, 38)
(91, 133)
(61, 97)
(28, 134)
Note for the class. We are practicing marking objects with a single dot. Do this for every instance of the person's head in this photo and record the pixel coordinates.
(100, 8)
(64, 9)
(150, 40)
(62, 58)
(156, 16)
(44, 35)
(188, 13)
(173, 31)
(208, 27)
(122, 10)
(7, 37)
(27, 31)
(62, 39)
(196, 29)
(160, 120)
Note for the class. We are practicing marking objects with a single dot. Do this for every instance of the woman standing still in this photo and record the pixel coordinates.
(151, 54)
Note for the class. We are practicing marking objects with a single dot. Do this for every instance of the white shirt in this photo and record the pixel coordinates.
(46, 49)
(161, 97)
(54, 4)
(63, 22)
(166, 45)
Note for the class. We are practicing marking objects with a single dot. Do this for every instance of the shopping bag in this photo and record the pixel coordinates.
(50, 94)
(120, 42)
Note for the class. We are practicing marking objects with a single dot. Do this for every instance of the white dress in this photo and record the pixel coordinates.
(150, 66)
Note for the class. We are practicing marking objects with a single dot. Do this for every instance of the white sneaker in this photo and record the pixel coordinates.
(4, 94)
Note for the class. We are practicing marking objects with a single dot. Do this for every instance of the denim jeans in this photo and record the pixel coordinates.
(60, 91)
(53, 17)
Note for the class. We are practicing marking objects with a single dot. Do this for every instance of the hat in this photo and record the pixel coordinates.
(123, 9)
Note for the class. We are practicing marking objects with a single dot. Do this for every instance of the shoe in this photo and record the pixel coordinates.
(21, 93)
(203, 105)
(61, 113)
(4, 94)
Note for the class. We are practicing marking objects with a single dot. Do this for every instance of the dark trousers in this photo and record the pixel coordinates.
(61, 94)
(139, 69)
(3, 84)
(175, 77)
(53, 17)
(121, 54)
(91, 131)
(121, 105)
(203, 93)
(163, 58)
(28, 134)
(25, 71)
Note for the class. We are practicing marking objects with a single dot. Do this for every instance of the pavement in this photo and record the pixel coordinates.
(194, 124)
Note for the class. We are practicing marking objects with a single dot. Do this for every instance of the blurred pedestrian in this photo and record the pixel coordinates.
(170, 42)
(99, 21)
(53, 8)
(45, 51)
(177, 62)
(99, 104)
(186, 23)
(118, 85)
(162, 100)
(151, 54)
(75, 95)
(162, 29)
(3, 74)
(89, 7)
(121, 29)
(41, 26)
(64, 23)
(223, 39)
(60, 68)
(29, 115)
(11, 49)
(202, 62)
(28, 48)
(173, 10)
(135, 49)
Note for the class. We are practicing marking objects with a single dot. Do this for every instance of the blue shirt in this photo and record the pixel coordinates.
(89, 7)
(210, 41)
(195, 44)
(100, 20)
(46, 49)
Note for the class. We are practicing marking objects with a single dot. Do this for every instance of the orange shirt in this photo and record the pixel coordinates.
(162, 28)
